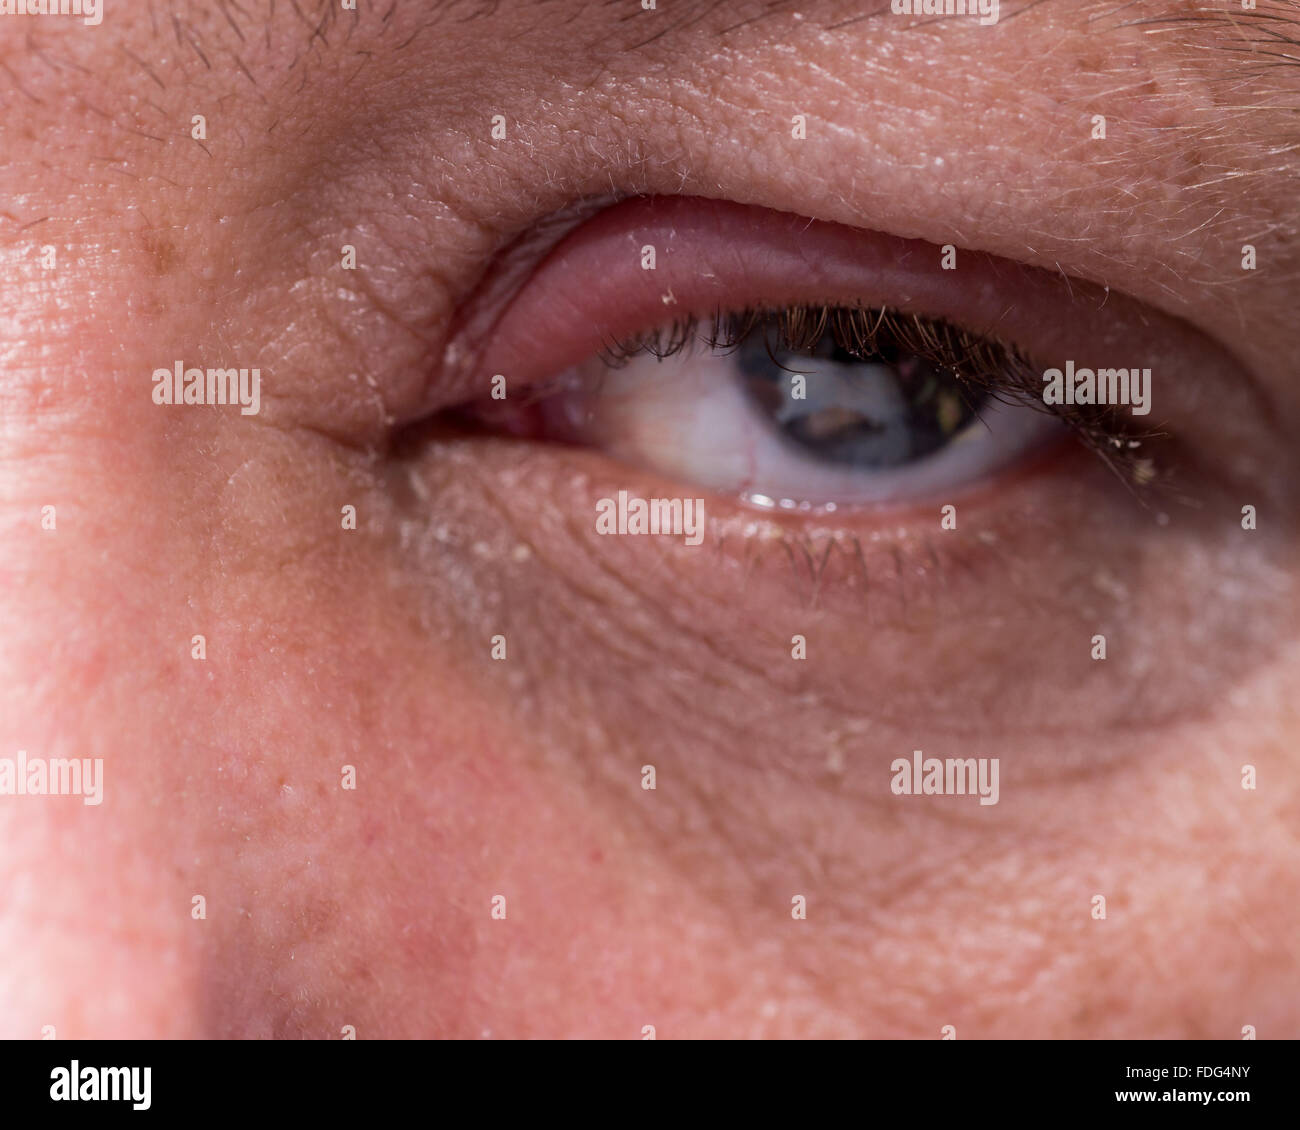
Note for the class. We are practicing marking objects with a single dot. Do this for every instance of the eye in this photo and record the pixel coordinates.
(590, 375)
(803, 409)
(840, 369)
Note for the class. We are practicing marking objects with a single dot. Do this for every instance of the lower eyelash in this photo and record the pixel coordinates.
(996, 369)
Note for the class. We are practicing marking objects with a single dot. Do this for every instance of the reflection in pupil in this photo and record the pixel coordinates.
(890, 409)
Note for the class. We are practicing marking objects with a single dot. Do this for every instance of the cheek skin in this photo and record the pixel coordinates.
(616, 663)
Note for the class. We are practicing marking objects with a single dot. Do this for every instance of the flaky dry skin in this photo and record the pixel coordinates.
(370, 648)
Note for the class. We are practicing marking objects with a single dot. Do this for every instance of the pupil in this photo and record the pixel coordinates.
(885, 410)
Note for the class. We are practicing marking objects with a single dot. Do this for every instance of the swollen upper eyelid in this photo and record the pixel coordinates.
(679, 257)
(713, 254)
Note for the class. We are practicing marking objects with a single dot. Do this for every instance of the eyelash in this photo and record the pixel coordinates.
(998, 370)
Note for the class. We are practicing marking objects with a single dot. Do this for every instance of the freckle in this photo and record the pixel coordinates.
(161, 251)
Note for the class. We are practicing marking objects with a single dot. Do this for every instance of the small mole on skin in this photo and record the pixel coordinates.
(161, 251)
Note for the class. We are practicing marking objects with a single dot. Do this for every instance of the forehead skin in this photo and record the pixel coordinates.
(325, 129)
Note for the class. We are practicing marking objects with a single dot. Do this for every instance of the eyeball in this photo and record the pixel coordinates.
(813, 430)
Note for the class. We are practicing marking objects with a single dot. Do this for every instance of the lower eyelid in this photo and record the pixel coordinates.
(905, 621)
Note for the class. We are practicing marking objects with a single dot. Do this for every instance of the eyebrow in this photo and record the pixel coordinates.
(1268, 34)
(1264, 32)
(1261, 35)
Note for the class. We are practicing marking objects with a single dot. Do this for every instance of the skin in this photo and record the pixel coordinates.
(521, 777)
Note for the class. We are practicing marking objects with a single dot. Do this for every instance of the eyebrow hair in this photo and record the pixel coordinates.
(1274, 24)
(1264, 34)
(1270, 28)
(1261, 45)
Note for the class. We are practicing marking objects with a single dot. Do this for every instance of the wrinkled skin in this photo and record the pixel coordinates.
(328, 647)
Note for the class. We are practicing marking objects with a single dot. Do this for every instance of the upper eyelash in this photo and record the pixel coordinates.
(998, 369)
